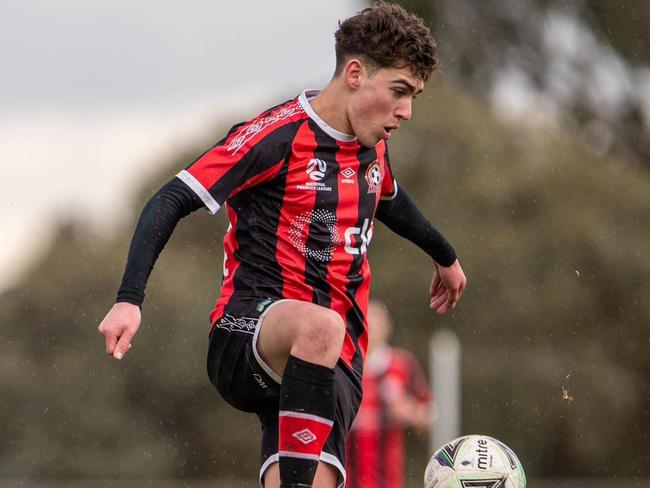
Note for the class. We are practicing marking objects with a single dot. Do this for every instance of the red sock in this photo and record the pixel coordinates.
(307, 409)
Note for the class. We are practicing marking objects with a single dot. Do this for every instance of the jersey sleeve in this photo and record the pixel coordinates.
(388, 184)
(242, 160)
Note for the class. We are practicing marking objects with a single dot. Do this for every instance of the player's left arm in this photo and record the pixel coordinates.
(402, 216)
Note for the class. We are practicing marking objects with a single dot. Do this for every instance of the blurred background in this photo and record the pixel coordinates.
(530, 150)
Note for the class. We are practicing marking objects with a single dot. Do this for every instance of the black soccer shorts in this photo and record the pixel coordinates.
(247, 383)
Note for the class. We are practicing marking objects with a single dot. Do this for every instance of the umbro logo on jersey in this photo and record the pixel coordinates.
(347, 174)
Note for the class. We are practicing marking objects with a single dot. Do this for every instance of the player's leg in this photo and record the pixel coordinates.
(326, 476)
(300, 329)
(300, 343)
(331, 470)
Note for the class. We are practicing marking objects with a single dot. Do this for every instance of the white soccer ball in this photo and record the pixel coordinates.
(475, 461)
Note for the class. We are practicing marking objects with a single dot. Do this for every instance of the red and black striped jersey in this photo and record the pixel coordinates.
(375, 444)
(300, 198)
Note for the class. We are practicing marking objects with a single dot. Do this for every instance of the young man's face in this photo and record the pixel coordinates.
(382, 101)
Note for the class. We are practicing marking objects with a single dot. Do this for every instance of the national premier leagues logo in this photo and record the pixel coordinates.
(316, 169)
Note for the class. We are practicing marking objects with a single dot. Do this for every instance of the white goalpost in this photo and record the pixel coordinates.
(445, 374)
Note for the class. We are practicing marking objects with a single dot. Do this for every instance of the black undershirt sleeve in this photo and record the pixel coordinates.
(157, 221)
(403, 217)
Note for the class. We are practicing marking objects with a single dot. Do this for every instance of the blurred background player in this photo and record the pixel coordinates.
(396, 396)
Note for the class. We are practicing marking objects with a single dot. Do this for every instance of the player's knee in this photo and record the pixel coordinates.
(329, 326)
(324, 333)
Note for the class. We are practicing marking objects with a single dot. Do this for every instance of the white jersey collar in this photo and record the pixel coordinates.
(304, 98)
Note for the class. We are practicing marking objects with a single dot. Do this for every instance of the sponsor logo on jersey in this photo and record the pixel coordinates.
(321, 219)
(374, 177)
(357, 239)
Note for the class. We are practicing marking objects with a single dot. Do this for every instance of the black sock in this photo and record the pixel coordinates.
(307, 409)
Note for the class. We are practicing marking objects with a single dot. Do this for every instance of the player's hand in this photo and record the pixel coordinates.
(118, 328)
(400, 412)
(447, 287)
(408, 412)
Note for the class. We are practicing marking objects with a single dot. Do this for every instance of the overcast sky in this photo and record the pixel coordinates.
(92, 94)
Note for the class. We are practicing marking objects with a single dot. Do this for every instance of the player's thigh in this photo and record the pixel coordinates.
(234, 368)
(326, 476)
(284, 324)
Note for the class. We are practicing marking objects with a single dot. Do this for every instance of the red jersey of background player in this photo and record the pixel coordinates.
(395, 396)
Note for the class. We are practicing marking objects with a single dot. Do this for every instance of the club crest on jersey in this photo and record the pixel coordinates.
(374, 177)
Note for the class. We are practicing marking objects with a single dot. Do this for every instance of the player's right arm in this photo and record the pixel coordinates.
(156, 224)
(251, 154)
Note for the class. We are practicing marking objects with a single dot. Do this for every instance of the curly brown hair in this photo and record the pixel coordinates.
(385, 35)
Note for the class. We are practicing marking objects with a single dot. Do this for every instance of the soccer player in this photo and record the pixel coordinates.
(301, 184)
(395, 396)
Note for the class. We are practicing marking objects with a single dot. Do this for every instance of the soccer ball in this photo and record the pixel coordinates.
(475, 461)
